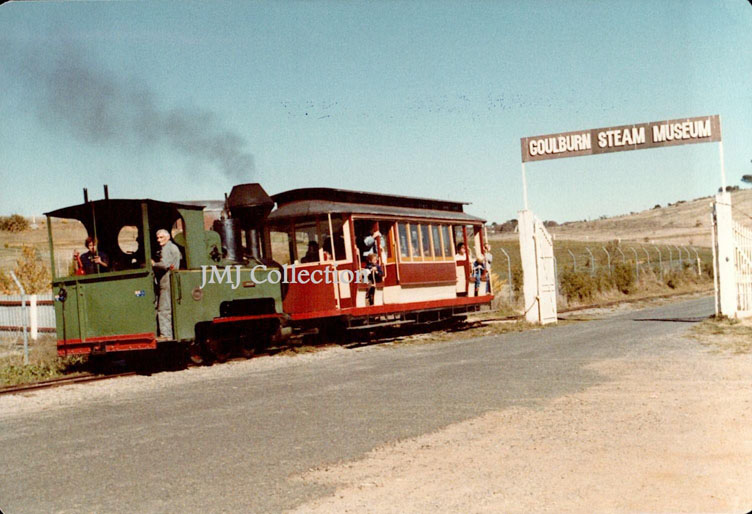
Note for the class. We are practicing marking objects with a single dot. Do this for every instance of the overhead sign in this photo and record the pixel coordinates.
(704, 129)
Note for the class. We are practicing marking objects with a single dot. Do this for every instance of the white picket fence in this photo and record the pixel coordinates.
(38, 315)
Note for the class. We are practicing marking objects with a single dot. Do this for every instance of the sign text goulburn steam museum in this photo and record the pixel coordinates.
(704, 129)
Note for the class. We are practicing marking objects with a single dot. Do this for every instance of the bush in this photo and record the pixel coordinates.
(624, 277)
(33, 274)
(14, 223)
(578, 286)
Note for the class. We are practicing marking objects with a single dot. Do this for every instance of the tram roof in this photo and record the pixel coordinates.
(305, 208)
(364, 197)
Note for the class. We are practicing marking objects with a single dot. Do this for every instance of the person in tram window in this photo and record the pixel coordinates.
(371, 241)
(169, 260)
(375, 276)
(480, 273)
(328, 248)
(461, 254)
(312, 254)
(92, 261)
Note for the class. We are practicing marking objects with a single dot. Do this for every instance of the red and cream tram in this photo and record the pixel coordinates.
(423, 277)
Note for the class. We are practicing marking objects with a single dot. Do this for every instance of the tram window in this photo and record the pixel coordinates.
(436, 240)
(403, 244)
(447, 242)
(306, 242)
(425, 240)
(458, 237)
(281, 247)
(339, 239)
(414, 241)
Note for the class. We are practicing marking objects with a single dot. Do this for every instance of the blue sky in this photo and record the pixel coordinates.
(181, 100)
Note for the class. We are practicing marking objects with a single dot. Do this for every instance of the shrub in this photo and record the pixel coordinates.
(14, 223)
(624, 277)
(33, 274)
(578, 286)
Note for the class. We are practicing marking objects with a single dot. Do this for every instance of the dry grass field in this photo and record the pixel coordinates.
(683, 223)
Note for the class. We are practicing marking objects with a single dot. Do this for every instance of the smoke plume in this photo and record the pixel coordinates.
(99, 107)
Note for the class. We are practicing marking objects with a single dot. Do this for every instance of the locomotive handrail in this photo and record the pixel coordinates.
(97, 277)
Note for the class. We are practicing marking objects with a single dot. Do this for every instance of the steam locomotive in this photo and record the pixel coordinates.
(246, 276)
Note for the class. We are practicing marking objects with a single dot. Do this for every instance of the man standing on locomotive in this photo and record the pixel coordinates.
(169, 260)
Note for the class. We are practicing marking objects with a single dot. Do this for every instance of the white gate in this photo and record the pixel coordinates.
(539, 273)
(733, 261)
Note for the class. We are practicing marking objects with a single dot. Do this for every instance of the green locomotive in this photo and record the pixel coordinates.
(113, 308)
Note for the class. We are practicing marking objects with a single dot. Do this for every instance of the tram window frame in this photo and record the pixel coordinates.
(446, 238)
(425, 242)
(414, 256)
(287, 232)
(309, 228)
(438, 253)
(403, 233)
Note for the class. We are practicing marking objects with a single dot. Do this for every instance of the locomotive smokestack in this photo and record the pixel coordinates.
(106, 193)
(86, 195)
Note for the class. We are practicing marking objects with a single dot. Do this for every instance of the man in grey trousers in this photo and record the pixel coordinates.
(169, 260)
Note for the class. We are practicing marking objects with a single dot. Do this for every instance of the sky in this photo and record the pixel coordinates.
(179, 100)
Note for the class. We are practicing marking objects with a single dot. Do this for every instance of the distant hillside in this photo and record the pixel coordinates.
(683, 223)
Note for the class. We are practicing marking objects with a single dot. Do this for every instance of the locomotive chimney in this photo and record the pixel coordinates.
(106, 193)
(86, 195)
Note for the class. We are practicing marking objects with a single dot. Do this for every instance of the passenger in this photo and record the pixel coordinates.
(461, 254)
(489, 261)
(312, 254)
(328, 248)
(375, 276)
(480, 273)
(169, 260)
(372, 241)
(92, 261)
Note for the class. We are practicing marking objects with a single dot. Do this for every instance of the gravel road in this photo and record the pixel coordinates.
(277, 433)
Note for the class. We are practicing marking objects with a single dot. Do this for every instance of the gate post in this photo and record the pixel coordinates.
(538, 274)
(727, 300)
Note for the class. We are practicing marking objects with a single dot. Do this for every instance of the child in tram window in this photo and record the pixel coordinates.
(480, 273)
(375, 276)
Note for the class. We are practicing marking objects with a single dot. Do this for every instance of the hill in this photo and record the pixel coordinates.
(682, 223)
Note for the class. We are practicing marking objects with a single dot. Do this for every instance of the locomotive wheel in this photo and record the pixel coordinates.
(246, 348)
(196, 353)
(218, 349)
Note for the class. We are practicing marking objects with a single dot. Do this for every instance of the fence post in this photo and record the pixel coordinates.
(636, 264)
(623, 257)
(33, 320)
(23, 313)
(670, 258)
(681, 262)
(509, 277)
(608, 259)
(574, 261)
(660, 260)
(592, 262)
(697, 256)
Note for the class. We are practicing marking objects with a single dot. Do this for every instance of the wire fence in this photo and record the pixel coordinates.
(645, 260)
(24, 318)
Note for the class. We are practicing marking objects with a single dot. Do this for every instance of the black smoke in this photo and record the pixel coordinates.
(98, 107)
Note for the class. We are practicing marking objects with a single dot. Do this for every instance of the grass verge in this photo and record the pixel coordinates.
(44, 364)
(725, 335)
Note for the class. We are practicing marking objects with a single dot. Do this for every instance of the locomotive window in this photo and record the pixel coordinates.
(447, 242)
(403, 244)
(128, 239)
(281, 247)
(425, 240)
(436, 240)
(414, 241)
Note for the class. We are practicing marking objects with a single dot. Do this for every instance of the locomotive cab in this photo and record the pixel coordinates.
(111, 307)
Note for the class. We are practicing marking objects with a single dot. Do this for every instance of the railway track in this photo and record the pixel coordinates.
(57, 382)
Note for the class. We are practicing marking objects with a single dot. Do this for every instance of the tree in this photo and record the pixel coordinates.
(747, 179)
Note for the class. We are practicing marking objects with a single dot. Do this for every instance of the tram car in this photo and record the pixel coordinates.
(314, 260)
